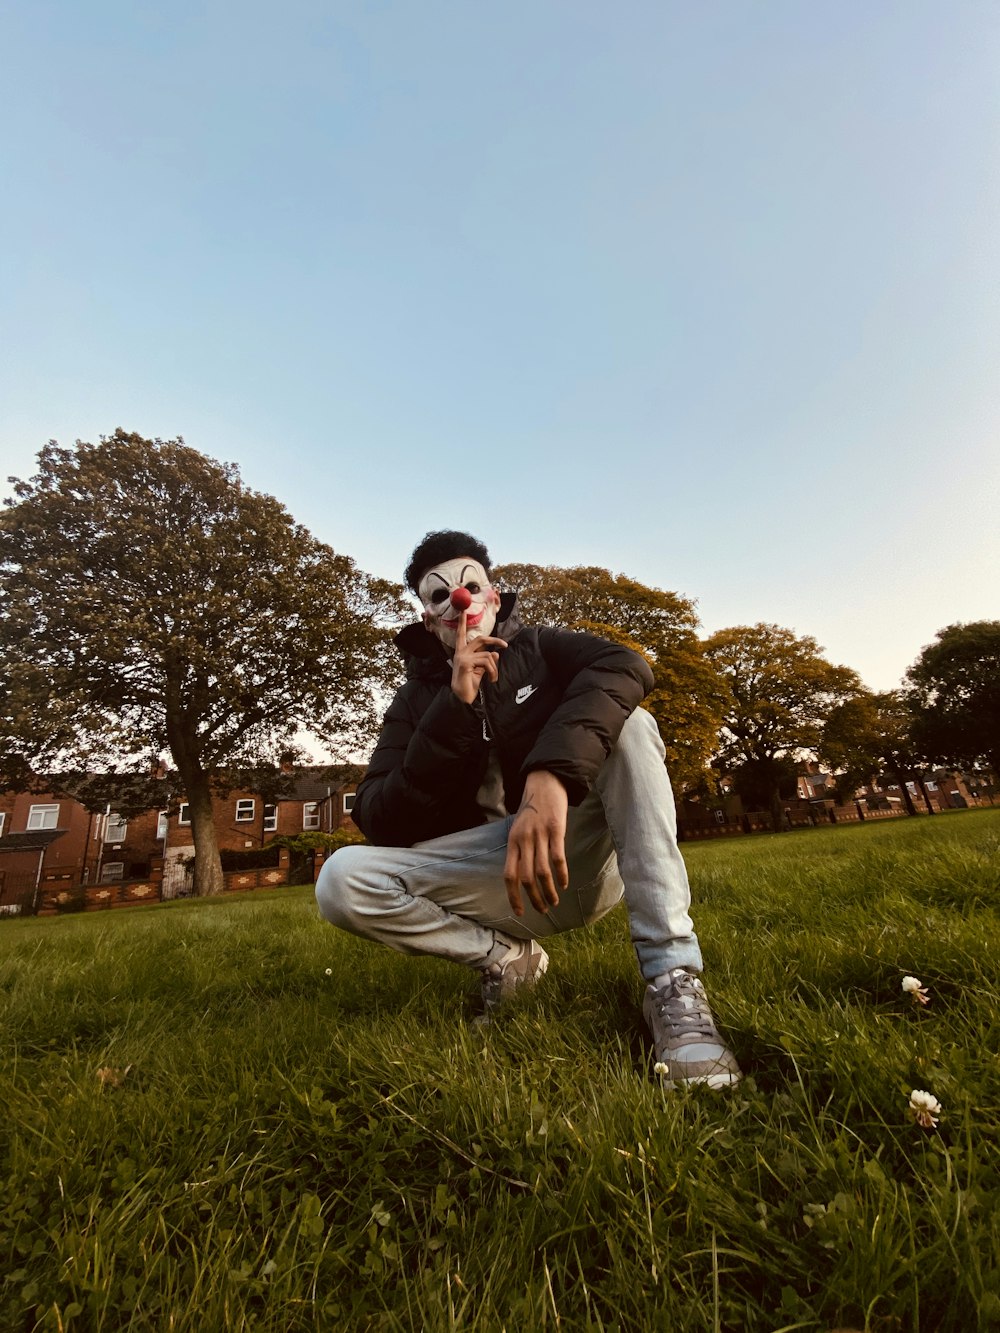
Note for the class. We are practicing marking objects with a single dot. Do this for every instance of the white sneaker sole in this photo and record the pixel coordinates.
(727, 1079)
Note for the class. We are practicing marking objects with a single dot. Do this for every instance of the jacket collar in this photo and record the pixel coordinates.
(424, 654)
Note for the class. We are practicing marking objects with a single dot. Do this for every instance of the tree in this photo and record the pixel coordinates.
(869, 737)
(149, 601)
(955, 692)
(687, 694)
(781, 690)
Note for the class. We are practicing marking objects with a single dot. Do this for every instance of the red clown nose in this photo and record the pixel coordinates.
(461, 599)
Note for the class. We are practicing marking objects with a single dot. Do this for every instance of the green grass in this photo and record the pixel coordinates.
(290, 1150)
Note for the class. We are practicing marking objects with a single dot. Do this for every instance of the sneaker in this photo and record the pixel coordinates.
(686, 1041)
(524, 967)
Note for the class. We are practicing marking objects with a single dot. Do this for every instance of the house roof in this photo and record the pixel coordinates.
(35, 841)
(315, 784)
(95, 790)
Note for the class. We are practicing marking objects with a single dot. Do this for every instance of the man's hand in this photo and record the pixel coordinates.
(473, 661)
(536, 847)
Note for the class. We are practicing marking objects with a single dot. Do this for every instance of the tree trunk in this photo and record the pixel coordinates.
(183, 746)
(897, 773)
(207, 866)
(777, 812)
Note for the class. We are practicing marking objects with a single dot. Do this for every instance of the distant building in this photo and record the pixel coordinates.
(317, 800)
(51, 838)
(812, 784)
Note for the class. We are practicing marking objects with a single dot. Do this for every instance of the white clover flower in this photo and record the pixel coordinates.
(661, 1068)
(914, 987)
(925, 1108)
(329, 971)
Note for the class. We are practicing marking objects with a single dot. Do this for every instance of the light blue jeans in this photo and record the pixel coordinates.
(447, 897)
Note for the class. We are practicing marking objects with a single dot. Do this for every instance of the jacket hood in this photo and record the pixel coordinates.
(424, 654)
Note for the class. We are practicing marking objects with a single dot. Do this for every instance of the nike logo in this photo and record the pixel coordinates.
(525, 692)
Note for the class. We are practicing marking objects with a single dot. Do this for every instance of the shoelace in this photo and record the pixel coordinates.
(694, 1021)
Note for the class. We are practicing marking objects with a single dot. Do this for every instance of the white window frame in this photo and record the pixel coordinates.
(112, 872)
(348, 803)
(184, 813)
(162, 825)
(246, 810)
(115, 822)
(270, 818)
(39, 817)
(310, 815)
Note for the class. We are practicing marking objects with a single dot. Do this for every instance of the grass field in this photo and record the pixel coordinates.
(203, 1130)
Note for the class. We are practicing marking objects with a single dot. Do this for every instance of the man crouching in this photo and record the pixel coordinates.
(519, 790)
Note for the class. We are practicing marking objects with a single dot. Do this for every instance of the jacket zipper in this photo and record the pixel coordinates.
(486, 717)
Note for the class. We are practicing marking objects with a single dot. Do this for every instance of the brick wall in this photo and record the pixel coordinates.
(323, 813)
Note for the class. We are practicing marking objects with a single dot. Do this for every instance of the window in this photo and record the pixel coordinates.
(310, 814)
(43, 816)
(112, 871)
(348, 802)
(245, 811)
(116, 829)
(3, 817)
(270, 818)
(184, 813)
(162, 822)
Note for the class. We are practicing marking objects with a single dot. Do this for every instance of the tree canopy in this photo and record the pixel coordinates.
(955, 692)
(687, 694)
(151, 602)
(781, 690)
(869, 736)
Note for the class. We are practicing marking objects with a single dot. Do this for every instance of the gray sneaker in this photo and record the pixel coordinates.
(686, 1041)
(501, 980)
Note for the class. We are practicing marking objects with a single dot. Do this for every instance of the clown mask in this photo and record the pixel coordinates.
(441, 615)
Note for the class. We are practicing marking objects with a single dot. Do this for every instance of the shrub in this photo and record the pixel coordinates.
(251, 858)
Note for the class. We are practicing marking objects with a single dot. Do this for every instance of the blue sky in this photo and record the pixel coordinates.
(708, 294)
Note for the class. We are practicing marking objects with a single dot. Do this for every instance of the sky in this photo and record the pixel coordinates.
(705, 294)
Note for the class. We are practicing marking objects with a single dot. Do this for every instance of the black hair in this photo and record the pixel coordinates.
(437, 547)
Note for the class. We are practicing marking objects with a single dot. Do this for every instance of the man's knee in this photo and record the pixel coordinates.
(640, 734)
(635, 769)
(338, 883)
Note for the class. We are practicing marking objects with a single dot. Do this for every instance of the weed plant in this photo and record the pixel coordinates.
(225, 1115)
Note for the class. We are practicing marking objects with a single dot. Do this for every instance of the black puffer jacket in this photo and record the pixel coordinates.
(560, 702)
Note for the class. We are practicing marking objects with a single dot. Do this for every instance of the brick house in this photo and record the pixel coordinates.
(812, 784)
(946, 789)
(48, 837)
(51, 837)
(317, 800)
